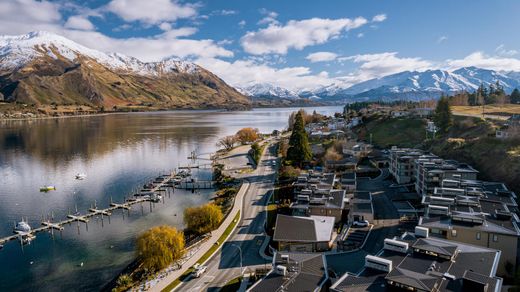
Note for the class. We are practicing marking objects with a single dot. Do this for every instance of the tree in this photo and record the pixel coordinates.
(247, 135)
(203, 219)
(227, 142)
(160, 246)
(442, 116)
(515, 96)
(299, 149)
(256, 152)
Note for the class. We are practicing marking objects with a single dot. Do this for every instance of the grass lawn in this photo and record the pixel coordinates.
(207, 255)
(493, 109)
(386, 132)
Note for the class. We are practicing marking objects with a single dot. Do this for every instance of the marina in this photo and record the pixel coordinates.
(165, 184)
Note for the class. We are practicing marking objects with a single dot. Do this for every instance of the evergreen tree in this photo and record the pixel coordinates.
(442, 116)
(299, 149)
(515, 96)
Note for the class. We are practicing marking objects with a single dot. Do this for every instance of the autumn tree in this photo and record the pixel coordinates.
(160, 246)
(299, 149)
(247, 135)
(442, 116)
(332, 155)
(227, 142)
(203, 219)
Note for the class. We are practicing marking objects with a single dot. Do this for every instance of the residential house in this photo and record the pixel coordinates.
(402, 164)
(431, 170)
(303, 234)
(295, 272)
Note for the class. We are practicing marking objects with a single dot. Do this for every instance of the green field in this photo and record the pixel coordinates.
(387, 132)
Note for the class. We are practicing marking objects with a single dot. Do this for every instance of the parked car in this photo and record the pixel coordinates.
(199, 270)
(362, 223)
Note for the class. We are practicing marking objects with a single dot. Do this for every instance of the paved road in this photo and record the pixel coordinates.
(249, 235)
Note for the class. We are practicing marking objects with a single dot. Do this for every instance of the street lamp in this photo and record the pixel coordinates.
(240, 252)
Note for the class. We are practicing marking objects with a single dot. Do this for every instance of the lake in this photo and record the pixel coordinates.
(119, 153)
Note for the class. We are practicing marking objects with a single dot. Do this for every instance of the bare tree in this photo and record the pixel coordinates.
(227, 142)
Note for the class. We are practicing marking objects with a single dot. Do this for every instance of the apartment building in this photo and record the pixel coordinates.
(402, 164)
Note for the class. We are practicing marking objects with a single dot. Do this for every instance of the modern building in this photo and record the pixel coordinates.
(360, 207)
(410, 263)
(320, 203)
(295, 272)
(402, 164)
(431, 170)
(304, 234)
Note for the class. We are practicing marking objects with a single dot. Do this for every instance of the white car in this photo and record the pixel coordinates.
(199, 270)
(362, 223)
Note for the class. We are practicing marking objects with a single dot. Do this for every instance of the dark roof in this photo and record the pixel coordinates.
(306, 272)
(303, 229)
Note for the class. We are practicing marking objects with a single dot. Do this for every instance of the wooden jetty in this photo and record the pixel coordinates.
(198, 184)
(160, 184)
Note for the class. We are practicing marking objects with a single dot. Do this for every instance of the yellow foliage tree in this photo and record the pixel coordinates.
(247, 135)
(159, 247)
(203, 219)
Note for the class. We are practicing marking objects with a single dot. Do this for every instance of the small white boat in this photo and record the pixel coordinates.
(81, 176)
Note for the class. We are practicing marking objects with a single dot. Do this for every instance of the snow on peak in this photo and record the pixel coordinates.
(17, 51)
(267, 90)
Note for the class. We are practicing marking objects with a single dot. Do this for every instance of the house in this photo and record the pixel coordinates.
(348, 181)
(319, 203)
(303, 234)
(399, 114)
(361, 207)
(514, 120)
(295, 272)
(354, 122)
(356, 149)
(412, 263)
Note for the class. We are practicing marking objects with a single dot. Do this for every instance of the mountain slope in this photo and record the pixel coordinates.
(266, 90)
(44, 68)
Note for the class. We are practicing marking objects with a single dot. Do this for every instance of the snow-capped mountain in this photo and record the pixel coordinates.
(44, 68)
(420, 85)
(266, 90)
(17, 51)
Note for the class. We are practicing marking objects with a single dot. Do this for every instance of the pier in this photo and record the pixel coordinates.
(149, 193)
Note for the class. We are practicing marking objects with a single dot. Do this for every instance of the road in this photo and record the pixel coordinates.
(248, 236)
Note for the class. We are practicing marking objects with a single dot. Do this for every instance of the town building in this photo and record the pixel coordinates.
(411, 263)
(303, 234)
(295, 272)
(320, 203)
(402, 164)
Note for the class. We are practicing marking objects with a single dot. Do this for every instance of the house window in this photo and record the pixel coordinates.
(495, 238)
(478, 235)
(454, 233)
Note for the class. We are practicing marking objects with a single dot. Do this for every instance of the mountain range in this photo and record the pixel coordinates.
(407, 85)
(45, 68)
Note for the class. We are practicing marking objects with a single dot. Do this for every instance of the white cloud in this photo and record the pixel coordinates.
(297, 34)
(502, 51)
(242, 73)
(242, 23)
(442, 39)
(79, 22)
(224, 12)
(481, 60)
(269, 18)
(360, 35)
(151, 11)
(321, 57)
(166, 26)
(379, 18)
(27, 15)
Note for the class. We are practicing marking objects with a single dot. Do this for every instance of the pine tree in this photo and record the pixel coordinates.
(515, 96)
(442, 116)
(299, 149)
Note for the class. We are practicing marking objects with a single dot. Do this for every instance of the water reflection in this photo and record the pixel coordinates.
(117, 152)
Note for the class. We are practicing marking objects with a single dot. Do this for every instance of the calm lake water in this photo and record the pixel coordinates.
(118, 153)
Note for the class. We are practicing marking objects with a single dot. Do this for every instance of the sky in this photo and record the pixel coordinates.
(294, 44)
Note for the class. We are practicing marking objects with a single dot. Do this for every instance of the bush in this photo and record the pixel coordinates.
(203, 219)
(159, 247)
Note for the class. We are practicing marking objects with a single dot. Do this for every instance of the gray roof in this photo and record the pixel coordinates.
(303, 229)
(306, 272)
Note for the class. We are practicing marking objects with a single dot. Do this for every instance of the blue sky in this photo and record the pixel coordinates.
(293, 44)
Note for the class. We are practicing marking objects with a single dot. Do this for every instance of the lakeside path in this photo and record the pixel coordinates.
(248, 234)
